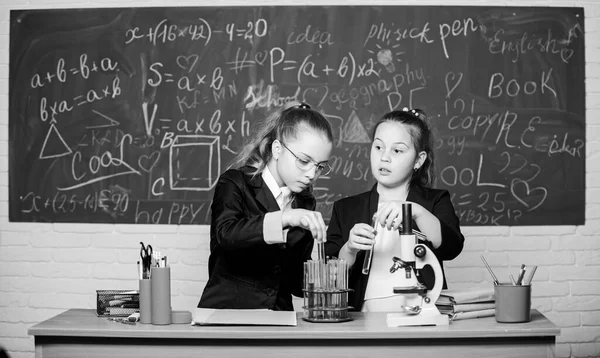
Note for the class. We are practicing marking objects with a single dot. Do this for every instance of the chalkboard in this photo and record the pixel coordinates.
(129, 115)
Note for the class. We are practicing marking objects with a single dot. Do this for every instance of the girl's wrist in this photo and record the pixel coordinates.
(417, 211)
(284, 218)
(349, 250)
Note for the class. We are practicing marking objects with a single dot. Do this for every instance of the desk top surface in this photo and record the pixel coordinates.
(84, 323)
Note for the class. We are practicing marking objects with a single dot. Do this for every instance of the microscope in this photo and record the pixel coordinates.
(408, 262)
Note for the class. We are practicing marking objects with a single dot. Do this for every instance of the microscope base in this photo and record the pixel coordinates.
(427, 317)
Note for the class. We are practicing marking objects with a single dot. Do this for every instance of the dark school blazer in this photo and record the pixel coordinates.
(360, 209)
(244, 272)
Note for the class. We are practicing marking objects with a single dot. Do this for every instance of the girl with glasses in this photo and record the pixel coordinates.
(402, 162)
(263, 222)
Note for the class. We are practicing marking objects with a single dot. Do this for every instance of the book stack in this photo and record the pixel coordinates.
(468, 303)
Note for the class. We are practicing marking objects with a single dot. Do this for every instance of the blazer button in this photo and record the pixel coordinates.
(277, 269)
(270, 291)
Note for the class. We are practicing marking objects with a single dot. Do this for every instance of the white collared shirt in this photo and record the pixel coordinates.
(281, 194)
(273, 231)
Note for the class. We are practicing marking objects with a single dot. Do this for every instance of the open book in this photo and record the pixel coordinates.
(237, 317)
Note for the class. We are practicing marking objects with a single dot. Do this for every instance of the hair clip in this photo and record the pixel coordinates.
(414, 112)
(303, 105)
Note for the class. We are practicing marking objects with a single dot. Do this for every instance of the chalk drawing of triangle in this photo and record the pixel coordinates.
(354, 132)
(54, 145)
(106, 121)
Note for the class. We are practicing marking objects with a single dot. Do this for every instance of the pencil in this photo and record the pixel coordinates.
(527, 281)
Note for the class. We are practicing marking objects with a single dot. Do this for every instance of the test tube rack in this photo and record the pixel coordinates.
(326, 291)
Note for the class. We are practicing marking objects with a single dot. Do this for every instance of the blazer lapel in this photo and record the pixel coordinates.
(303, 200)
(373, 201)
(412, 194)
(263, 194)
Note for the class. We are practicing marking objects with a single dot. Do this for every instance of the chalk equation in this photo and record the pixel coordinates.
(137, 118)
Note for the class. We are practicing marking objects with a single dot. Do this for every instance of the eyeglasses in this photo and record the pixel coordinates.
(307, 164)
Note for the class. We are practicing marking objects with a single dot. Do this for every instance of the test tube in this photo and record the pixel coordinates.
(327, 296)
(321, 252)
(369, 253)
(310, 296)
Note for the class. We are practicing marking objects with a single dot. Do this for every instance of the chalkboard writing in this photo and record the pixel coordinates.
(130, 115)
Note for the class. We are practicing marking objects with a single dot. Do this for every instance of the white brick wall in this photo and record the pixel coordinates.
(47, 268)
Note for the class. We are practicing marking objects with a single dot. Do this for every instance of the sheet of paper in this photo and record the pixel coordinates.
(469, 307)
(473, 314)
(257, 317)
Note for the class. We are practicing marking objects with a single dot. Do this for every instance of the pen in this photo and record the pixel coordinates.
(521, 274)
(512, 279)
(490, 270)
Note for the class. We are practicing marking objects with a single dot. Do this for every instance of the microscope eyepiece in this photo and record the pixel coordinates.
(407, 219)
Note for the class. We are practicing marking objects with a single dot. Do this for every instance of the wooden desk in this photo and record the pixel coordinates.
(79, 333)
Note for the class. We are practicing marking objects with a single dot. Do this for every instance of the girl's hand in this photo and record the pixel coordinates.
(306, 219)
(389, 214)
(362, 237)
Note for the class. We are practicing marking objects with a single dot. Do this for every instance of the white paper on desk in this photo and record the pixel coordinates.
(473, 314)
(470, 307)
(257, 317)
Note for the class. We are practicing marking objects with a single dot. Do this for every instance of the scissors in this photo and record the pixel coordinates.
(146, 255)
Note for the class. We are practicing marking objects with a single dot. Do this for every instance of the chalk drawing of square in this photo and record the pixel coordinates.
(194, 162)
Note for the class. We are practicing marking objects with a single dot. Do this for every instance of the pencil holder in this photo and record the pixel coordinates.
(145, 301)
(161, 295)
(513, 303)
(117, 303)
